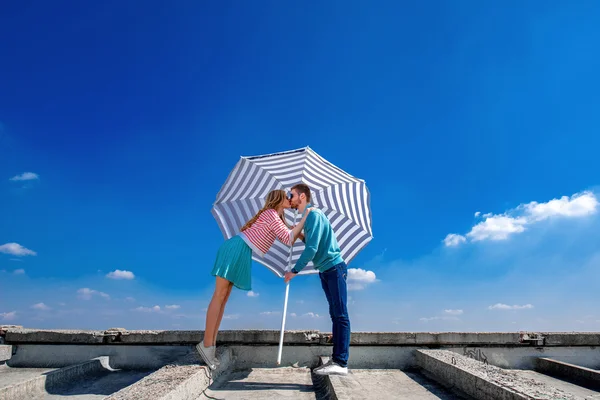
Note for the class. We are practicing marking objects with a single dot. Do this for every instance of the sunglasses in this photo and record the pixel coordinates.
(290, 195)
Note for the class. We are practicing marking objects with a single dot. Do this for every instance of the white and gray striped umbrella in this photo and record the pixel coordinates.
(344, 199)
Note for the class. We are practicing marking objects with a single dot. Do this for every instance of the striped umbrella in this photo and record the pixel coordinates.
(344, 199)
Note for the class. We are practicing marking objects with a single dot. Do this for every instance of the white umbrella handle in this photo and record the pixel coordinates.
(287, 292)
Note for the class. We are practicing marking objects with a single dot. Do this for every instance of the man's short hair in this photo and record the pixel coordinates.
(302, 188)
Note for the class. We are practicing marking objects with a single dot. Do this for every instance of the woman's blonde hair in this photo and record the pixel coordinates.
(274, 199)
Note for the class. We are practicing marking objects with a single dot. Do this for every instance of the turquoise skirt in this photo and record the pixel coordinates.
(234, 263)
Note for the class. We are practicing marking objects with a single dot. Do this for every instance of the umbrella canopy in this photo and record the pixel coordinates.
(344, 199)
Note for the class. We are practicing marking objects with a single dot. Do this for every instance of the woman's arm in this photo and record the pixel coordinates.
(285, 235)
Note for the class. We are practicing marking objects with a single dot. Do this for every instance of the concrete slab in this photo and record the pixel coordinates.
(586, 377)
(11, 376)
(483, 381)
(5, 352)
(263, 383)
(573, 390)
(367, 384)
(24, 387)
(96, 387)
(390, 384)
(184, 380)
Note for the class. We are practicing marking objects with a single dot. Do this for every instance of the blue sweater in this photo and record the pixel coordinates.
(321, 245)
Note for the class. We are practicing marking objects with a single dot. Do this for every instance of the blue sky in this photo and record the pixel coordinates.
(119, 123)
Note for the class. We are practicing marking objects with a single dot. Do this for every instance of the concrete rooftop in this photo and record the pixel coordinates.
(119, 364)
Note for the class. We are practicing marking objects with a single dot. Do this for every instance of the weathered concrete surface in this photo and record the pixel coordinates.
(586, 377)
(120, 356)
(12, 376)
(574, 391)
(148, 337)
(307, 356)
(263, 383)
(5, 352)
(485, 381)
(53, 336)
(374, 384)
(49, 381)
(96, 387)
(525, 357)
(184, 380)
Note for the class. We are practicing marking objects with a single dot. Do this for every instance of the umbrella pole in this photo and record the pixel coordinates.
(285, 302)
(287, 292)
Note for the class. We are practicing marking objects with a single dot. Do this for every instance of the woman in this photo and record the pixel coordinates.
(234, 260)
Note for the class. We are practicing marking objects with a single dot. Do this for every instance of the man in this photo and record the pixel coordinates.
(323, 250)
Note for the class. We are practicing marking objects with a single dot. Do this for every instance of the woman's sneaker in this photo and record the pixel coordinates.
(332, 368)
(208, 355)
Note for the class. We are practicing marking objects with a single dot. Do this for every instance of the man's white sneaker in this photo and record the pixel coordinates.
(207, 354)
(332, 369)
(328, 363)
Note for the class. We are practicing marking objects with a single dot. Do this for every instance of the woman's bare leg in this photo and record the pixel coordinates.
(217, 303)
(214, 343)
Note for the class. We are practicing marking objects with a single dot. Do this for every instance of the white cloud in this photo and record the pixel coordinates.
(118, 274)
(311, 315)
(19, 271)
(253, 294)
(300, 302)
(62, 304)
(477, 214)
(453, 312)
(231, 316)
(454, 240)
(359, 278)
(268, 313)
(25, 176)
(130, 299)
(500, 306)
(16, 249)
(87, 293)
(578, 205)
(40, 306)
(8, 316)
(173, 307)
(497, 227)
(15, 259)
(148, 309)
(293, 315)
(516, 220)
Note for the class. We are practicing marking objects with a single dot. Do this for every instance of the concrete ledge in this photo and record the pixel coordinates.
(454, 377)
(120, 356)
(119, 336)
(483, 381)
(571, 339)
(582, 376)
(5, 352)
(16, 336)
(40, 385)
(185, 380)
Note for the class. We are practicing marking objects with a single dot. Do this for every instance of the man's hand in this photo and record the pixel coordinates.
(288, 276)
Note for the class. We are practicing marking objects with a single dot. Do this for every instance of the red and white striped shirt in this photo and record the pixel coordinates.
(263, 232)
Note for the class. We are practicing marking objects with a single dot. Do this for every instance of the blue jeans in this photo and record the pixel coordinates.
(334, 284)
